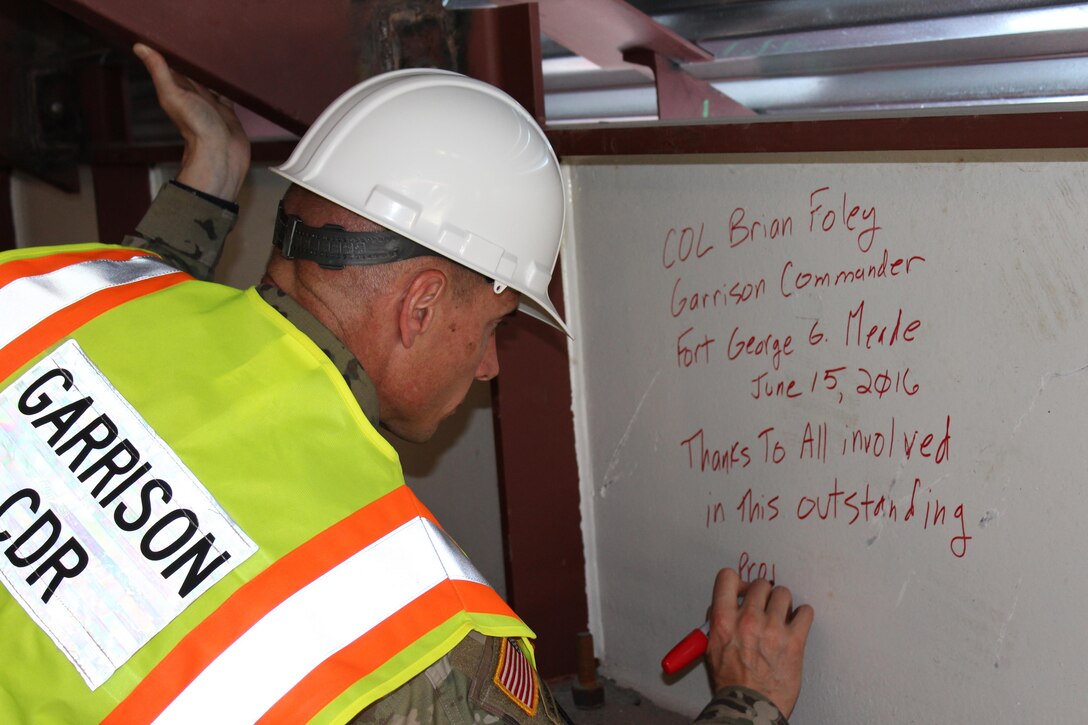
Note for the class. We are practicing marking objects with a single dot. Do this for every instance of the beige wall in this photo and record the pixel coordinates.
(45, 215)
(454, 474)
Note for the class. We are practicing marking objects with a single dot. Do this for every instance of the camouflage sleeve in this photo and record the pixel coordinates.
(463, 688)
(185, 229)
(741, 706)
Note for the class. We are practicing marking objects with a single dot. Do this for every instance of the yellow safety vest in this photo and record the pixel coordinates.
(197, 522)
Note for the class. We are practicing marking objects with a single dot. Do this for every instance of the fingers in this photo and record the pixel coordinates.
(149, 56)
(727, 588)
(756, 594)
(173, 90)
(759, 641)
(801, 622)
(725, 603)
(732, 594)
(760, 605)
(157, 67)
(778, 606)
(217, 152)
(170, 87)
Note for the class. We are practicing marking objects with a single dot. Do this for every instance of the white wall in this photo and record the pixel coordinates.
(919, 476)
(454, 474)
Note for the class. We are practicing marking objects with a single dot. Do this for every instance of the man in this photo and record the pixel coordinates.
(408, 335)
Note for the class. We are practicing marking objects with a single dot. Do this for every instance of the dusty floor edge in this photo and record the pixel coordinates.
(622, 706)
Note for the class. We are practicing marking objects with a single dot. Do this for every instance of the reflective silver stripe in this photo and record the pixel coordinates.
(29, 300)
(457, 565)
(330, 613)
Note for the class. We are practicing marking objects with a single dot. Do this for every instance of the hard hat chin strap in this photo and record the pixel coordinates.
(333, 247)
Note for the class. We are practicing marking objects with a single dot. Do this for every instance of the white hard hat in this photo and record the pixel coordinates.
(453, 164)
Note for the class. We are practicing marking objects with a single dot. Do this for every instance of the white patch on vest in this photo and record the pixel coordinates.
(105, 535)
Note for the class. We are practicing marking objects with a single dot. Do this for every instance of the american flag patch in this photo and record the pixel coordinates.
(516, 677)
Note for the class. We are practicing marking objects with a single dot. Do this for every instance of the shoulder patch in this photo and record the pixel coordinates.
(516, 677)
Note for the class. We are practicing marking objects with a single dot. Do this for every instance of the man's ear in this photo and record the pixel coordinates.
(419, 306)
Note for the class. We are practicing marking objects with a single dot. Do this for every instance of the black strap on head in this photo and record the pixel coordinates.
(333, 247)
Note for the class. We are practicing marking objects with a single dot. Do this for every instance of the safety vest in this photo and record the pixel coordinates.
(197, 522)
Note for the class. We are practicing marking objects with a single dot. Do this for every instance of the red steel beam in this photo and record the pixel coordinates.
(682, 96)
(280, 58)
(489, 54)
(531, 400)
(613, 34)
(600, 30)
(1061, 129)
(121, 196)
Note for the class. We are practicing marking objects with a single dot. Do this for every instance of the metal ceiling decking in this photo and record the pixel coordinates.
(803, 58)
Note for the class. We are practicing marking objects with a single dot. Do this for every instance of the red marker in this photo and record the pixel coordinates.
(688, 650)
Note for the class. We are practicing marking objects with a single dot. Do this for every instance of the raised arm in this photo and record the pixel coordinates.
(216, 156)
(190, 218)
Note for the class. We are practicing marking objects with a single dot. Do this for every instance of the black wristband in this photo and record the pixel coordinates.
(221, 203)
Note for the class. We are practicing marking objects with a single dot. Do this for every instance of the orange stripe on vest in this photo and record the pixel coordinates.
(373, 649)
(58, 325)
(20, 268)
(258, 597)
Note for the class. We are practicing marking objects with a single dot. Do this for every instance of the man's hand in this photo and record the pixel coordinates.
(759, 644)
(216, 156)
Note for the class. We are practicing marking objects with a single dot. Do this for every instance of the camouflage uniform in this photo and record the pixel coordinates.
(188, 229)
(741, 706)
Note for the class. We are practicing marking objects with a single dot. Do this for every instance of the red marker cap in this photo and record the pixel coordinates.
(688, 650)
